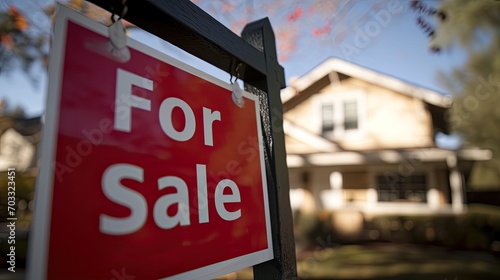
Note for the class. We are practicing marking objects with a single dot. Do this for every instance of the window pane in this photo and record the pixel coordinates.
(350, 115)
(327, 117)
(395, 187)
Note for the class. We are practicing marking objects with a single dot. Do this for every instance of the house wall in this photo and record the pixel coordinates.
(295, 146)
(15, 151)
(387, 120)
(357, 182)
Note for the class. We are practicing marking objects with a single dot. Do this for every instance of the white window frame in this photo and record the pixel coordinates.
(338, 100)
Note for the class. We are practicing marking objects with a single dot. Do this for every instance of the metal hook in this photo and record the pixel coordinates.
(124, 11)
(236, 71)
(231, 72)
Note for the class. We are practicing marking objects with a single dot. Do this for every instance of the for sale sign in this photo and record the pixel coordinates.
(149, 169)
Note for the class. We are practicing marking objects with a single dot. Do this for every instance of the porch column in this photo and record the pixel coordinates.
(456, 184)
(336, 185)
(334, 197)
(372, 193)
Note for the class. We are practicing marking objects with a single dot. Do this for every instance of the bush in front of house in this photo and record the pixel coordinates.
(478, 229)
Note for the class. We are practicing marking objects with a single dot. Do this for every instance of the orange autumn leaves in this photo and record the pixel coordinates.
(11, 23)
(20, 21)
(21, 43)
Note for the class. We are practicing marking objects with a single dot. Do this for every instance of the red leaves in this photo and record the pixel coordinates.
(323, 30)
(286, 41)
(295, 14)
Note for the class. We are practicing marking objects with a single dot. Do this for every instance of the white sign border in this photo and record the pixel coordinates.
(39, 243)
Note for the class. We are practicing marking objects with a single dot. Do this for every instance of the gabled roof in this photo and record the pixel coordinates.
(335, 65)
(334, 69)
(27, 127)
(317, 142)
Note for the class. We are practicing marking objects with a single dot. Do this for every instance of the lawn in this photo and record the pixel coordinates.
(464, 242)
(389, 262)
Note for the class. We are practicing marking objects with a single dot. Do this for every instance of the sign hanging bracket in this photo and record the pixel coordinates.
(237, 95)
(116, 48)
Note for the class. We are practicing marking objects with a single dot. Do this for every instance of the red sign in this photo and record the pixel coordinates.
(149, 169)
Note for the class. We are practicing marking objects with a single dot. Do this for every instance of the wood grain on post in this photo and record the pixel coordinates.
(283, 266)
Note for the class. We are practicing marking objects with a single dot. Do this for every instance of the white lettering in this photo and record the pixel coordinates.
(166, 108)
(120, 194)
(208, 121)
(125, 100)
(221, 198)
(116, 192)
(201, 175)
(181, 198)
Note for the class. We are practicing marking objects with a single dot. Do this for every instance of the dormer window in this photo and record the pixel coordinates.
(342, 116)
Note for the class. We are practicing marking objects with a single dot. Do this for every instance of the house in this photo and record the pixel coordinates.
(19, 139)
(361, 140)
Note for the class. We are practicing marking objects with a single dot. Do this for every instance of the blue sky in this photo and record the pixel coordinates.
(394, 45)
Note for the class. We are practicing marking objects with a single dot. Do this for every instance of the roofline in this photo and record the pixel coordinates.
(388, 156)
(334, 64)
(317, 142)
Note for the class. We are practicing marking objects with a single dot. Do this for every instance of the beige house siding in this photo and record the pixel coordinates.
(296, 146)
(320, 180)
(396, 121)
(303, 116)
(379, 128)
(356, 183)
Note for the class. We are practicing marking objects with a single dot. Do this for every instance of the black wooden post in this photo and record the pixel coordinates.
(283, 266)
(188, 27)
